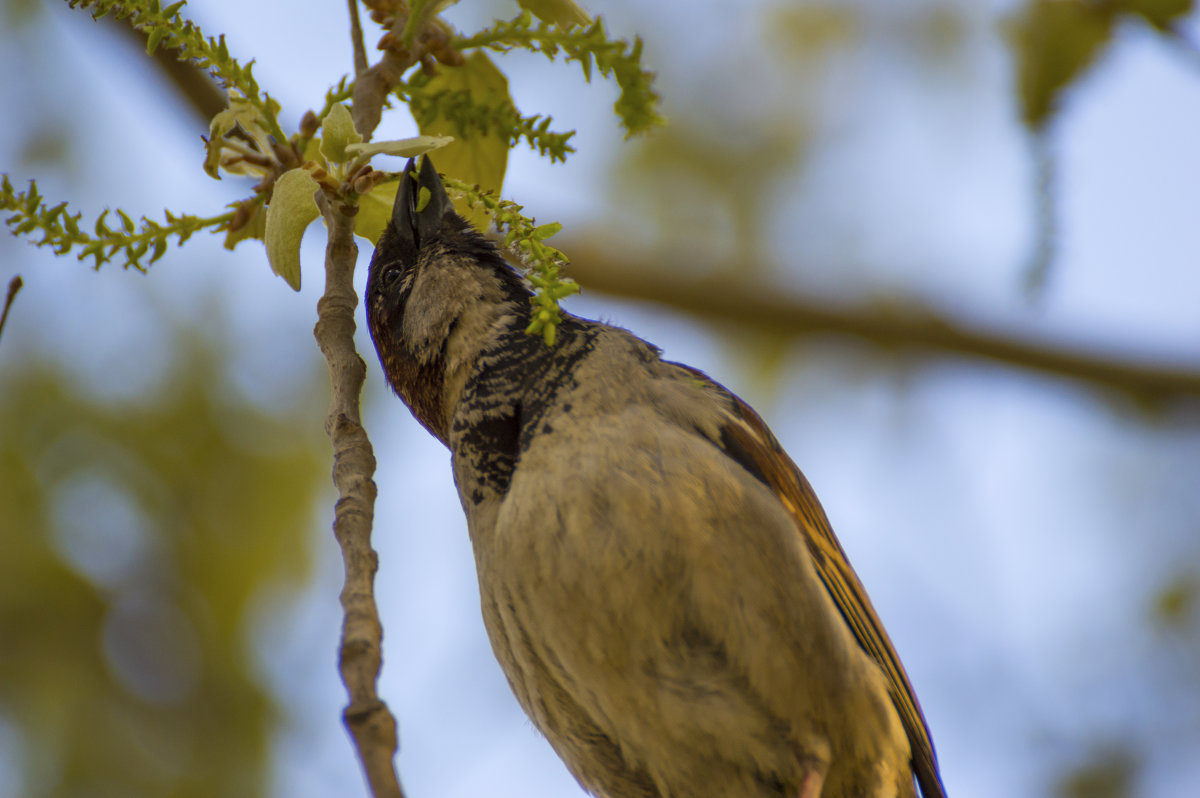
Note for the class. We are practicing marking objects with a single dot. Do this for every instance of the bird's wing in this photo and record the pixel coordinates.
(746, 438)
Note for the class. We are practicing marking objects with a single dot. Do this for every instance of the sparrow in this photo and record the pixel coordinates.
(659, 583)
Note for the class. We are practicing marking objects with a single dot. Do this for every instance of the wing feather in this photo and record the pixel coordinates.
(747, 439)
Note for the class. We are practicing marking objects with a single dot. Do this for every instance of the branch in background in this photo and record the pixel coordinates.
(907, 328)
(901, 328)
(202, 94)
(165, 27)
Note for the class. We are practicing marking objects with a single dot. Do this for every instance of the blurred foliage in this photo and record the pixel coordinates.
(703, 190)
(1175, 606)
(49, 144)
(813, 30)
(1055, 41)
(17, 13)
(1109, 772)
(136, 541)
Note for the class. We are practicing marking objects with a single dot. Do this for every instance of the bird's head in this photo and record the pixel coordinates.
(436, 289)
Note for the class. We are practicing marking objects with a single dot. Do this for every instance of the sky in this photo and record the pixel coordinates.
(993, 515)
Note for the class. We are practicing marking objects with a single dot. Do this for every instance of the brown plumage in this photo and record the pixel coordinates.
(657, 578)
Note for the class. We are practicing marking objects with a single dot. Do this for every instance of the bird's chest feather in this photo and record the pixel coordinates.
(504, 405)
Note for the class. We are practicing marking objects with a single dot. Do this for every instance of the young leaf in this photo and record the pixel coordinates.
(405, 148)
(374, 211)
(563, 13)
(338, 134)
(291, 210)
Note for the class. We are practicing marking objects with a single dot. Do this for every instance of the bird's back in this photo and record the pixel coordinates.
(650, 600)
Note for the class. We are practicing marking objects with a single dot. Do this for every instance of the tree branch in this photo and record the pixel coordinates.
(367, 717)
(907, 328)
(202, 94)
(910, 329)
(356, 39)
(371, 724)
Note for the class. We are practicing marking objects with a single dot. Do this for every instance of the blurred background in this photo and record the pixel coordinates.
(966, 298)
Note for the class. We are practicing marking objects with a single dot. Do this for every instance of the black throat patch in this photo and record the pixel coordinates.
(503, 404)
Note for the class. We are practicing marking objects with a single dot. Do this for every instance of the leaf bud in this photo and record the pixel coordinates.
(309, 124)
(240, 217)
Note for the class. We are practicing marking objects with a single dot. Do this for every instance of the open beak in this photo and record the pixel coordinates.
(421, 203)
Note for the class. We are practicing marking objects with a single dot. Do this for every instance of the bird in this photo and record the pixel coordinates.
(658, 580)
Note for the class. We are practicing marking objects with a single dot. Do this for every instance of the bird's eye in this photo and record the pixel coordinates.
(390, 275)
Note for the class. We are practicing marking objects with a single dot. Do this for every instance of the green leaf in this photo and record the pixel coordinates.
(1054, 42)
(542, 232)
(338, 133)
(154, 39)
(563, 13)
(473, 157)
(405, 148)
(101, 229)
(374, 211)
(291, 211)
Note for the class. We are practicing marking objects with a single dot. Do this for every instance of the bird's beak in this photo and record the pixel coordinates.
(415, 217)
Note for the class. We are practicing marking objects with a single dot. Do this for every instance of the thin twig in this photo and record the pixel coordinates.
(371, 724)
(356, 38)
(368, 719)
(14, 285)
(371, 89)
